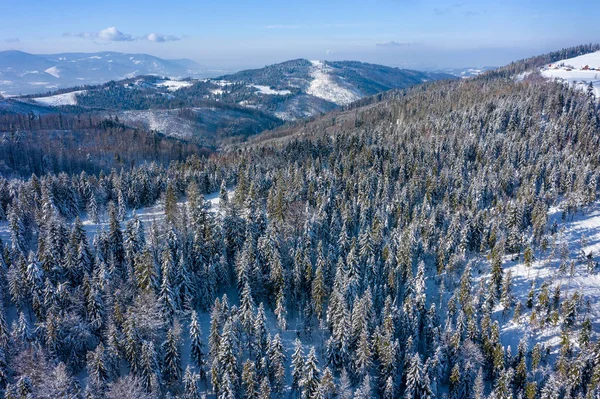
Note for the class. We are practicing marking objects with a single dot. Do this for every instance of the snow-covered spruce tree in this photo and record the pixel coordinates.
(297, 366)
(277, 360)
(171, 350)
(417, 382)
(310, 375)
(150, 372)
(197, 353)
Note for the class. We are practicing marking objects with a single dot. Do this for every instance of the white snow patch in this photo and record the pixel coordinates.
(54, 71)
(174, 85)
(325, 86)
(147, 215)
(581, 234)
(60, 99)
(268, 90)
(219, 82)
(520, 77)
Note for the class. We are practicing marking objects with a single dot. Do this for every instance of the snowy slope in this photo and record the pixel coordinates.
(582, 238)
(578, 71)
(329, 87)
(54, 71)
(267, 90)
(174, 85)
(60, 99)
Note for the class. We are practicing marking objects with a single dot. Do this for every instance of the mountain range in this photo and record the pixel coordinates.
(24, 73)
(239, 104)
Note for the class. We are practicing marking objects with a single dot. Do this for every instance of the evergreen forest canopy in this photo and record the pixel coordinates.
(362, 254)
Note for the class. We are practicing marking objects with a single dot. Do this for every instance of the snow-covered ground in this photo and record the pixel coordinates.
(174, 85)
(578, 71)
(54, 71)
(326, 86)
(581, 234)
(150, 214)
(147, 215)
(60, 99)
(268, 90)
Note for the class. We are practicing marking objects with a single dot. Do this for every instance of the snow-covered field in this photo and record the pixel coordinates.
(325, 86)
(268, 90)
(174, 85)
(581, 234)
(60, 99)
(578, 71)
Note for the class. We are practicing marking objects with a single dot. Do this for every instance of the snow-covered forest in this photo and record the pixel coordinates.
(436, 242)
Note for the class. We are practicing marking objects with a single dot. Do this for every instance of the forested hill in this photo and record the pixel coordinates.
(64, 143)
(442, 241)
(375, 112)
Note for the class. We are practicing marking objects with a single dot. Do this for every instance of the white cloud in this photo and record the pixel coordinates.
(160, 38)
(12, 40)
(112, 34)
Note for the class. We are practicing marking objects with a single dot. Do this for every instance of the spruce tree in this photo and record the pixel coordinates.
(197, 346)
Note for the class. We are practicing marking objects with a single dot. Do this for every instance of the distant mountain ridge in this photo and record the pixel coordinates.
(24, 73)
(241, 104)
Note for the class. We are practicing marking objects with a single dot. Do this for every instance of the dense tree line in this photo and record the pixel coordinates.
(55, 143)
(362, 234)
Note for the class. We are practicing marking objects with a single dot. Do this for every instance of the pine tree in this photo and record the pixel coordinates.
(318, 292)
(247, 310)
(310, 375)
(227, 362)
(197, 346)
(191, 384)
(363, 362)
(479, 386)
(260, 332)
(502, 389)
(417, 382)
(145, 271)
(364, 391)
(281, 312)
(345, 388)
(115, 239)
(389, 389)
(171, 209)
(223, 196)
(297, 365)
(150, 372)
(167, 296)
(249, 380)
(327, 384)
(96, 367)
(265, 389)
(171, 358)
(277, 364)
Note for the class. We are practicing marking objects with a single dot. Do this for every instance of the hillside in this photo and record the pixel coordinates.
(580, 71)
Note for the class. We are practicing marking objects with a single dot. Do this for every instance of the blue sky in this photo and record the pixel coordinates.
(232, 34)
